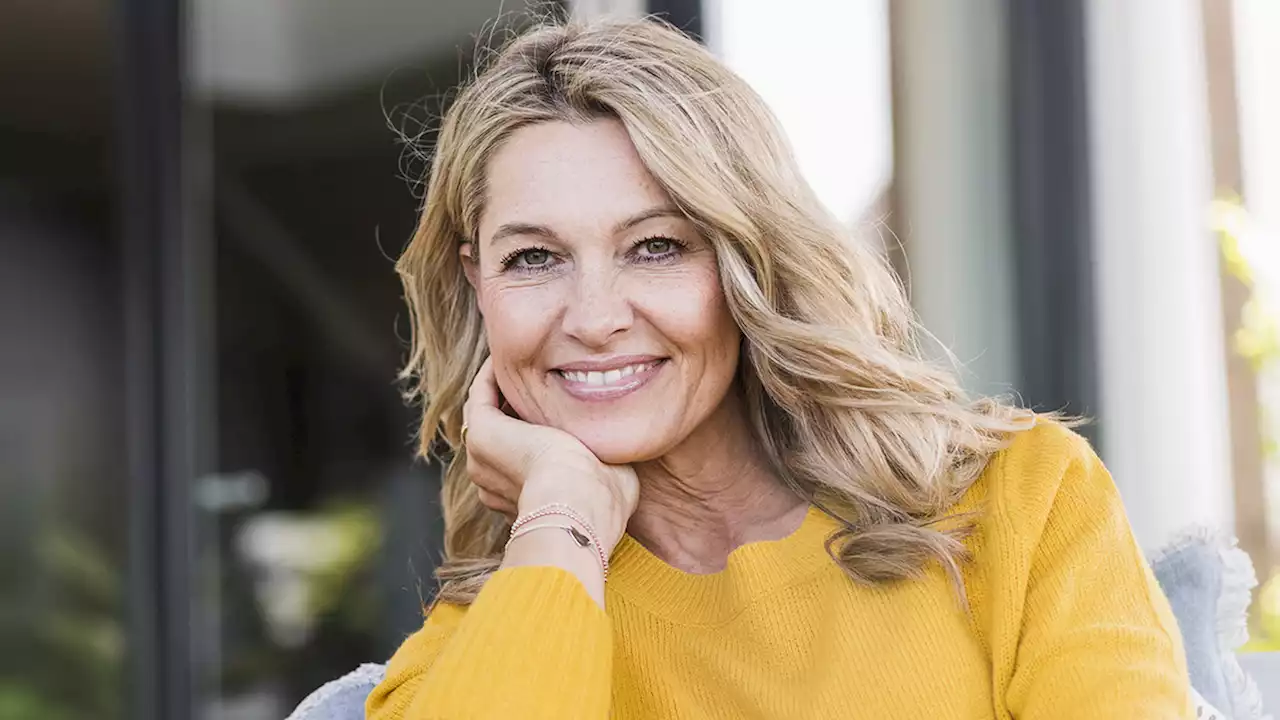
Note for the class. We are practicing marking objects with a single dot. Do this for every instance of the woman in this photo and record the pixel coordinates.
(699, 467)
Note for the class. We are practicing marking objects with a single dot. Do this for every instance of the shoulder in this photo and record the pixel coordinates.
(1048, 475)
(1043, 452)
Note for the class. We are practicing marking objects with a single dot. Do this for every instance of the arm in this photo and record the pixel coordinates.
(534, 644)
(1098, 639)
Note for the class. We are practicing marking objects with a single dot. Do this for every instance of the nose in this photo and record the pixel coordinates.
(598, 308)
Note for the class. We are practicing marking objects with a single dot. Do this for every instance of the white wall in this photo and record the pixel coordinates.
(591, 9)
(1162, 353)
(1257, 35)
(823, 67)
(953, 181)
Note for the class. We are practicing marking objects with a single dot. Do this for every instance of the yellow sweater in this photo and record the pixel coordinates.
(1066, 622)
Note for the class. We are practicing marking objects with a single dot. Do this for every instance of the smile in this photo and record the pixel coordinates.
(608, 384)
(597, 378)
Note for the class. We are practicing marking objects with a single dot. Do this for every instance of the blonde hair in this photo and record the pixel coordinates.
(848, 409)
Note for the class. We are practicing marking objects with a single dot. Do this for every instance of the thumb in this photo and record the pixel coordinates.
(509, 444)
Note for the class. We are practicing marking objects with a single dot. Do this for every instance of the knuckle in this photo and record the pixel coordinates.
(483, 481)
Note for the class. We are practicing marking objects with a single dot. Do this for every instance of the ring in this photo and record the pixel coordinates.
(464, 434)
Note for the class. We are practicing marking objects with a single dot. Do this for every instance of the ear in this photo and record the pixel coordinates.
(468, 255)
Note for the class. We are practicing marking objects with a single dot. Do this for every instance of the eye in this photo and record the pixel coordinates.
(532, 259)
(658, 249)
(657, 246)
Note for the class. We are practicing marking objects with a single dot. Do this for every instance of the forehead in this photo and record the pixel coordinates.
(561, 173)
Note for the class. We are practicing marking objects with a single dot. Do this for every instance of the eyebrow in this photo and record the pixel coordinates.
(522, 228)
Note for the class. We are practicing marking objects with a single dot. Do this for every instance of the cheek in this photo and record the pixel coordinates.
(516, 320)
(517, 325)
(691, 312)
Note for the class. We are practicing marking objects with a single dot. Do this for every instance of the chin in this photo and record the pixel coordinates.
(616, 446)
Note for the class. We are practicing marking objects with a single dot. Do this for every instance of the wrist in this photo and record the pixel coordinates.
(552, 547)
(590, 507)
(559, 516)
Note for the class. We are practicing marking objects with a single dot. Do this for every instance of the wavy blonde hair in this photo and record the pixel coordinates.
(850, 412)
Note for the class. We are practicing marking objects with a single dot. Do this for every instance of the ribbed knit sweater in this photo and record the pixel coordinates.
(1065, 621)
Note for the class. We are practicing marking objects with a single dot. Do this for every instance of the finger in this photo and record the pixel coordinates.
(492, 481)
(508, 443)
(483, 400)
(484, 388)
(496, 503)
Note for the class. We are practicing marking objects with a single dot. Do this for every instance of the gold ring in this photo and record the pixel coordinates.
(464, 434)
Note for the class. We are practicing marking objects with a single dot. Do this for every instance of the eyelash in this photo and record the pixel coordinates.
(510, 259)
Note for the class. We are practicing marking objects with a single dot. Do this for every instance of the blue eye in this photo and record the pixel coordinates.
(535, 257)
(532, 259)
(658, 248)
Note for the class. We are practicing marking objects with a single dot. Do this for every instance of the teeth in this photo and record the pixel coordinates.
(597, 378)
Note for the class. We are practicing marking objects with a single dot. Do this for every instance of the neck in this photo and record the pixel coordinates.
(713, 493)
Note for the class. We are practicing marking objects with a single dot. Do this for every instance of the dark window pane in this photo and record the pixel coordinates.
(63, 504)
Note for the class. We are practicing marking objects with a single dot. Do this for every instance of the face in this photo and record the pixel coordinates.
(601, 302)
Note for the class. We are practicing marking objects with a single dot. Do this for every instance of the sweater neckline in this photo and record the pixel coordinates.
(752, 572)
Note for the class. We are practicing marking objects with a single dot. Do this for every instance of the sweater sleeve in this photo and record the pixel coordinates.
(1098, 639)
(532, 645)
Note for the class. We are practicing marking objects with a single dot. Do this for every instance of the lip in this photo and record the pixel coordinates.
(597, 393)
(612, 362)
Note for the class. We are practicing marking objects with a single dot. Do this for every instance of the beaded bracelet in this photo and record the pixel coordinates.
(587, 534)
(574, 532)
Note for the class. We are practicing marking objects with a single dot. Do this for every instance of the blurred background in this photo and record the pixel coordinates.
(208, 504)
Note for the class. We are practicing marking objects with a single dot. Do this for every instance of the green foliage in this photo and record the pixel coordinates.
(1257, 340)
(64, 633)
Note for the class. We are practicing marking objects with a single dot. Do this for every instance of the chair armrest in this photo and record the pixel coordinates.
(341, 699)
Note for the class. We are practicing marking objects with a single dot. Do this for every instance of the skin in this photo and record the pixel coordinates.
(583, 262)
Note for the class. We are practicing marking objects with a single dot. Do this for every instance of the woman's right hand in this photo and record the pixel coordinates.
(519, 466)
